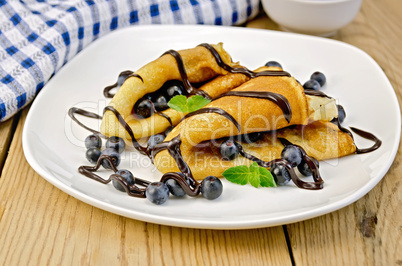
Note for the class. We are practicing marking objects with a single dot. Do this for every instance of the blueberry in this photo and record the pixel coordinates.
(319, 77)
(116, 143)
(115, 157)
(292, 154)
(175, 188)
(161, 103)
(157, 193)
(229, 150)
(174, 87)
(155, 140)
(312, 84)
(273, 64)
(93, 141)
(126, 175)
(143, 108)
(251, 138)
(211, 187)
(92, 155)
(341, 113)
(304, 169)
(281, 174)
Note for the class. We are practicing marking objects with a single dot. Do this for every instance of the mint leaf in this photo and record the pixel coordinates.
(237, 174)
(254, 174)
(196, 102)
(266, 178)
(254, 177)
(179, 103)
(187, 105)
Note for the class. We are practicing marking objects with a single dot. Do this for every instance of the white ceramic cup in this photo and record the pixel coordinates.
(315, 17)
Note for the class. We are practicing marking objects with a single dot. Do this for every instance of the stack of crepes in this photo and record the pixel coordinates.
(307, 124)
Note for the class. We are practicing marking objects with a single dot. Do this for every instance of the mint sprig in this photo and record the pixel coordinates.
(254, 174)
(187, 105)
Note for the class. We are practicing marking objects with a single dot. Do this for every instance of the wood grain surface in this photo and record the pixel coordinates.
(41, 225)
(6, 134)
(368, 232)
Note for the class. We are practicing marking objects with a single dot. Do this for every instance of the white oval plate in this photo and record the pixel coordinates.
(53, 144)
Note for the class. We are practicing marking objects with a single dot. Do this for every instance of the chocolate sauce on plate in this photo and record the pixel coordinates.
(131, 190)
(185, 177)
(363, 134)
(74, 110)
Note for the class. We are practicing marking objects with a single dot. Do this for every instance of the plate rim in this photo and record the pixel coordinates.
(205, 224)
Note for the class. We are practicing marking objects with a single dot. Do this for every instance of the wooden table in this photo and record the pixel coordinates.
(39, 224)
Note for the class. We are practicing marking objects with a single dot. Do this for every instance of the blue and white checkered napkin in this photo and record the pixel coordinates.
(38, 37)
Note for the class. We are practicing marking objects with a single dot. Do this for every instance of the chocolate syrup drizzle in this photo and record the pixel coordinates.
(183, 74)
(276, 98)
(242, 70)
(160, 113)
(143, 150)
(215, 110)
(363, 134)
(74, 110)
(185, 177)
(122, 77)
(367, 135)
(131, 190)
(186, 82)
(315, 93)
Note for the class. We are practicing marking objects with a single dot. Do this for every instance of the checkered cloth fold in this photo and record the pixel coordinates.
(38, 37)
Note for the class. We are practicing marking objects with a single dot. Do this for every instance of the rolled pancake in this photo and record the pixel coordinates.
(256, 115)
(321, 140)
(200, 66)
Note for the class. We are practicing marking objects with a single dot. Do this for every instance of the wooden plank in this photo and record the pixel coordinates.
(40, 225)
(6, 132)
(368, 232)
